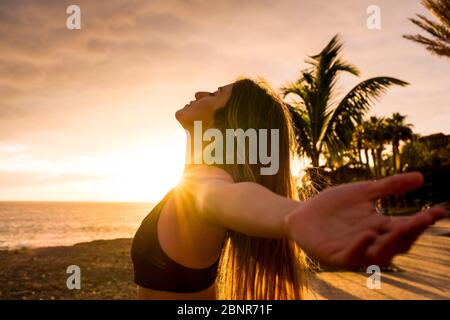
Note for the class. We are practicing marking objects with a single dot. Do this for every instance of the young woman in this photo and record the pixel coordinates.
(226, 231)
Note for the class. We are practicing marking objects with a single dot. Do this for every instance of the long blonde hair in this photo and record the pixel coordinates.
(253, 267)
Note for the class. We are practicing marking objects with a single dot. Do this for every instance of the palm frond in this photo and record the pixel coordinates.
(359, 99)
(301, 127)
(440, 9)
(433, 28)
(439, 41)
(320, 127)
(435, 47)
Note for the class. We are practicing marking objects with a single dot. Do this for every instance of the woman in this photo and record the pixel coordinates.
(226, 231)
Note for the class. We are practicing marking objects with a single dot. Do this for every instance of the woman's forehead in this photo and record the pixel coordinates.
(226, 87)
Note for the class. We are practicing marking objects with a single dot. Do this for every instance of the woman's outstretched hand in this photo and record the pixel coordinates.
(340, 226)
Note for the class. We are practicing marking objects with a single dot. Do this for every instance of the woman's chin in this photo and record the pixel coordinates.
(179, 115)
(180, 118)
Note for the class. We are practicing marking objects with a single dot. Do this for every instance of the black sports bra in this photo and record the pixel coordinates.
(153, 269)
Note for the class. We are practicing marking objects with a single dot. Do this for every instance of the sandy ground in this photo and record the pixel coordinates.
(106, 272)
(424, 273)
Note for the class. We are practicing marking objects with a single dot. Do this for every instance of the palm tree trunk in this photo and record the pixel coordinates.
(395, 155)
(360, 156)
(315, 159)
(374, 160)
(379, 160)
(394, 167)
(397, 159)
(366, 153)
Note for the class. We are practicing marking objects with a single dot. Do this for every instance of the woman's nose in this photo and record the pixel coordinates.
(200, 94)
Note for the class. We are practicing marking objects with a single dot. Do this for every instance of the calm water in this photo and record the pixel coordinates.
(39, 224)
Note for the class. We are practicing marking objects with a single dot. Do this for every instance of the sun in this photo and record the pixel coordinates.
(146, 173)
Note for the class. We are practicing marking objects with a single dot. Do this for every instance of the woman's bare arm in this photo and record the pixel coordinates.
(246, 207)
(339, 226)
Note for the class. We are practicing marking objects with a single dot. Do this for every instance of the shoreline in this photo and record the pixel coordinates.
(29, 248)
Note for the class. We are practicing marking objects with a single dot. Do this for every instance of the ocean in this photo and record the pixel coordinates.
(43, 224)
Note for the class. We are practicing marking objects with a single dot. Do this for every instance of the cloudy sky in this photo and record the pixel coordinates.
(88, 114)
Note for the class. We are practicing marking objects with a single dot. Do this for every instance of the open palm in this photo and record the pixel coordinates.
(340, 226)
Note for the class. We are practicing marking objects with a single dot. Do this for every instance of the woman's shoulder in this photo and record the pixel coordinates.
(195, 181)
(206, 172)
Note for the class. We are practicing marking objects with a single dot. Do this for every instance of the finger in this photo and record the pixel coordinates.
(428, 216)
(352, 257)
(396, 184)
(434, 213)
(412, 230)
(438, 213)
(403, 234)
(402, 244)
(386, 246)
(408, 239)
(372, 190)
(375, 222)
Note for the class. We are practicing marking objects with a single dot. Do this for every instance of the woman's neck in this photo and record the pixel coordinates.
(193, 150)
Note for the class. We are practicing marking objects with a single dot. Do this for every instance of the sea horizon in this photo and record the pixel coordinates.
(76, 201)
(35, 224)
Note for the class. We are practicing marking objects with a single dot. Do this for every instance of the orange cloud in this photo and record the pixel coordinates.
(114, 85)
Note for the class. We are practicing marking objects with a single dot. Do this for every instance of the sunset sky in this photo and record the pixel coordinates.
(88, 114)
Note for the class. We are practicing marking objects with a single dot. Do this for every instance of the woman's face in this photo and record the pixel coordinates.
(203, 107)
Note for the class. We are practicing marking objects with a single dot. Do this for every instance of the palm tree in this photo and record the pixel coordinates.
(365, 129)
(438, 41)
(322, 122)
(377, 136)
(414, 153)
(362, 138)
(397, 131)
(358, 144)
(361, 143)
